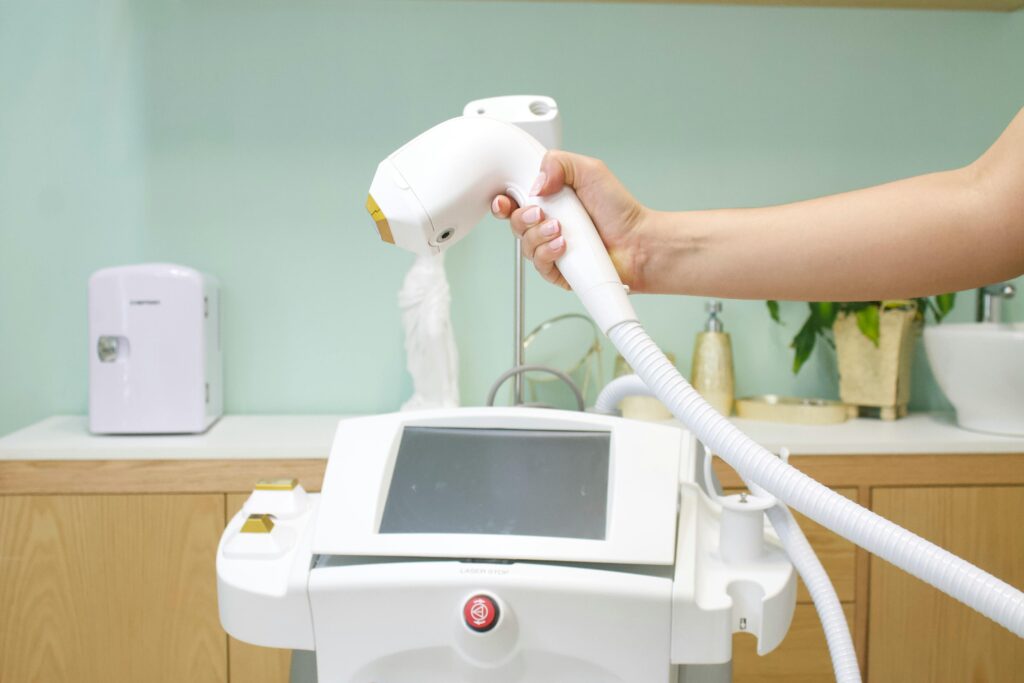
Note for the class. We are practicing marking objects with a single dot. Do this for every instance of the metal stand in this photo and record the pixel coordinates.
(518, 323)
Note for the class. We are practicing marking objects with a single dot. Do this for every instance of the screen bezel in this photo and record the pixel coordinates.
(644, 465)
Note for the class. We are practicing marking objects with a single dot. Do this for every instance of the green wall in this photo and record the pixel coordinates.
(71, 189)
(240, 138)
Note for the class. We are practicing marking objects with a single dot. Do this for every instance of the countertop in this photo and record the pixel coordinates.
(66, 437)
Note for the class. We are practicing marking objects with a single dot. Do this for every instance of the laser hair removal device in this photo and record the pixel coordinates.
(432, 190)
(517, 545)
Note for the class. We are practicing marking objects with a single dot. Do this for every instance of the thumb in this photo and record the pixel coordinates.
(558, 169)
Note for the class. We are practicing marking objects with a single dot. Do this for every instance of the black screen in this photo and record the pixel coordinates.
(499, 481)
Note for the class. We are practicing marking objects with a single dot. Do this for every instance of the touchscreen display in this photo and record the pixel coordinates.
(499, 481)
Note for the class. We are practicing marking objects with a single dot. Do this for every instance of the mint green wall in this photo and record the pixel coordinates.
(244, 135)
(71, 194)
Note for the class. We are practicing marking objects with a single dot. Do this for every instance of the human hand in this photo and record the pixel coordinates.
(617, 215)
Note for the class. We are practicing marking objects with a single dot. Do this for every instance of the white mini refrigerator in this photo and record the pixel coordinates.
(154, 350)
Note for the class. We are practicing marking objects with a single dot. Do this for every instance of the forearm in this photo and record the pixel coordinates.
(926, 235)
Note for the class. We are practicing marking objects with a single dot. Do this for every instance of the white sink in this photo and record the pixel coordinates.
(980, 367)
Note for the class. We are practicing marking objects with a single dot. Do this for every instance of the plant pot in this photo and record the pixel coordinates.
(876, 379)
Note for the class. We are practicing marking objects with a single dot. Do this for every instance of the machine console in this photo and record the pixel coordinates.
(515, 484)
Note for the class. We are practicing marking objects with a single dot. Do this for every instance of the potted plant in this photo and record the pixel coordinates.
(874, 343)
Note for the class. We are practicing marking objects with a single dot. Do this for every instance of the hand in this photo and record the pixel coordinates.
(617, 215)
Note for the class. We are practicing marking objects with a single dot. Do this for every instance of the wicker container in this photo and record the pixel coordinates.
(876, 379)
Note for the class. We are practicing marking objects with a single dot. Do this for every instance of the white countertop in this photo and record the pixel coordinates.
(66, 437)
(916, 433)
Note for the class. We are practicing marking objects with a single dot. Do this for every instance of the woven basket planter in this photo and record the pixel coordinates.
(876, 379)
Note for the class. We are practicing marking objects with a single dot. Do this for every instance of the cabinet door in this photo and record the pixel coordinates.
(915, 632)
(249, 663)
(102, 588)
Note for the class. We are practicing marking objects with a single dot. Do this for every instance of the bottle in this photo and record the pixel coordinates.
(711, 373)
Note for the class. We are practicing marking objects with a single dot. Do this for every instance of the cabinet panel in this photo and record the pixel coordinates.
(250, 663)
(802, 657)
(837, 555)
(919, 634)
(110, 588)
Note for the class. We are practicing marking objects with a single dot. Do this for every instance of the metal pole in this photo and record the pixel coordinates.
(518, 319)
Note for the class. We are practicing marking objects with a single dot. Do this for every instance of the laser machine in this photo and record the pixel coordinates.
(528, 546)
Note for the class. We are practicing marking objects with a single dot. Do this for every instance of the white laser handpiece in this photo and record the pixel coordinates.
(435, 189)
(430, 193)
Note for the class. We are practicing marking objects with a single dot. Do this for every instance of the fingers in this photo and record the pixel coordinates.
(503, 206)
(558, 169)
(523, 220)
(544, 257)
(540, 236)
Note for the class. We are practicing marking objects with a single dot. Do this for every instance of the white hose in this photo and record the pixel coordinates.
(954, 576)
(826, 602)
(803, 557)
(616, 390)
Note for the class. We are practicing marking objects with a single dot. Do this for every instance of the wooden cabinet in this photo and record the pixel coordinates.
(249, 663)
(95, 589)
(107, 571)
(919, 634)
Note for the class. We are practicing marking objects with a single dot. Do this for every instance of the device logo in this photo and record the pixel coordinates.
(480, 613)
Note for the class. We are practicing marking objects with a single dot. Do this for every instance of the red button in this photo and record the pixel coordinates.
(480, 613)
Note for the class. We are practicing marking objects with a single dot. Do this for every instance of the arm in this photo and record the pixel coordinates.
(925, 235)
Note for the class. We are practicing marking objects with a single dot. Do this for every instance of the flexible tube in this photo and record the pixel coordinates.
(823, 594)
(520, 369)
(954, 576)
(806, 562)
(616, 390)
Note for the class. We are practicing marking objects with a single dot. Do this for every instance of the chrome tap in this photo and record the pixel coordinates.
(990, 302)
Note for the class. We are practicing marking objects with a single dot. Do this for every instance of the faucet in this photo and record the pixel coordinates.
(990, 301)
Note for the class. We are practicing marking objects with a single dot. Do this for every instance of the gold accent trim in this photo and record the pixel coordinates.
(283, 484)
(258, 524)
(380, 219)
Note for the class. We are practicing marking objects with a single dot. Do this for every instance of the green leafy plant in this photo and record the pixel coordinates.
(868, 313)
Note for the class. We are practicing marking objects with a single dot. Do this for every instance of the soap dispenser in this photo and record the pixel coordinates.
(711, 373)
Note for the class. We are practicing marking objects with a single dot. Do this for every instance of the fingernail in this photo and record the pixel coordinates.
(495, 206)
(531, 215)
(556, 244)
(537, 184)
(549, 228)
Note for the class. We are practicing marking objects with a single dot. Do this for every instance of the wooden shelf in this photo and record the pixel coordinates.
(976, 5)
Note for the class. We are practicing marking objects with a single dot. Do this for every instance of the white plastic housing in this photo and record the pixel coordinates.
(403, 623)
(538, 115)
(282, 504)
(154, 350)
(436, 188)
(713, 597)
(398, 616)
(642, 492)
(262, 581)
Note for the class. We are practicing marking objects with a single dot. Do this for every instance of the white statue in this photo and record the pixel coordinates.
(431, 354)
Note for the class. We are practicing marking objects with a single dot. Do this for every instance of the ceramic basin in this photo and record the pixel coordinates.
(980, 367)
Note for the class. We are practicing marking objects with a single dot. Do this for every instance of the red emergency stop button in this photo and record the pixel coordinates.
(480, 613)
